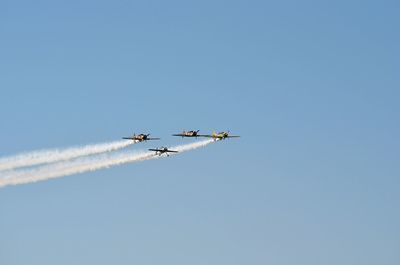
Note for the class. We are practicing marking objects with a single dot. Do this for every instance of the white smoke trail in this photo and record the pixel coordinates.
(85, 164)
(56, 155)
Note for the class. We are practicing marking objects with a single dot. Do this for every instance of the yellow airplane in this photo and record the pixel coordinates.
(221, 135)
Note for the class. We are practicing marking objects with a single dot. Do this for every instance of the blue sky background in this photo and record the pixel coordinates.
(312, 87)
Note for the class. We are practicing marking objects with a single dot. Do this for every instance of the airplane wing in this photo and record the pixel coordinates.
(128, 138)
(232, 136)
(171, 151)
(185, 135)
(206, 135)
(153, 138)
(156, 150)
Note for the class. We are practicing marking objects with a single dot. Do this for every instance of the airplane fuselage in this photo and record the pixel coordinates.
(221, 135)
(188, 134)
(140, 137)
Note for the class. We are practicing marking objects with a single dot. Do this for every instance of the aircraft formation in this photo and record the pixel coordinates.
(137, 138)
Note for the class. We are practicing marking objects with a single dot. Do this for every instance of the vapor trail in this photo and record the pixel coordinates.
(56, 155)
(85, 164)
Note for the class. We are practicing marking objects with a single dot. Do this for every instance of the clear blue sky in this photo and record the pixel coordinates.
(312, 87)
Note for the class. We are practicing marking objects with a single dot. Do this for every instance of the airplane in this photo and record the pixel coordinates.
(140, 137)
(163, 150)
(188, 134)
(221, 135)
